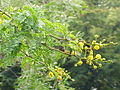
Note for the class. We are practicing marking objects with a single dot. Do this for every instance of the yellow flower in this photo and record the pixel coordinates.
(80, 50)
(96, 36)
(79, 63)
(95, 67)
(73, 53)
(81, 44)
(90, 57)
(59, 78)
(86, 48)
(89, 62)
(93, 42)
(98, 56)
(91, 52)
(50, 74)
(59, 71)
(96, 47)
(100, 65)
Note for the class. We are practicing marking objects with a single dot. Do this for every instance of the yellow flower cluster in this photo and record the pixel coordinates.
(85, 51)
(58, 73)
(90, 58)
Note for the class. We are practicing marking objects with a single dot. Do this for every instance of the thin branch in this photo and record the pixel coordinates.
(58, 37)
(5, 13)
(51, 48)
(55, 84)
(10, 69)
(26, 54)
(14, 73)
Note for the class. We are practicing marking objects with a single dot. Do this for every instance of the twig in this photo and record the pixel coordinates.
(5, 14)
(10, 69)
(27, 54)
(14, 73)
(55, 84)
(58, 37)
(58, 50)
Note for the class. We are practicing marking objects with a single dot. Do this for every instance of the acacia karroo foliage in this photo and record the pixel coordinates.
(41, 47)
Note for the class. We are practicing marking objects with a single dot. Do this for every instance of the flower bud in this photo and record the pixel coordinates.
(86, 48)
(95, 67)
(96, 36)
(59, 78)
(90, 57)
(98, 56)
(96, 47)
(73, 53)
(91, 52)
(50, 74)
(93, 42)
(79, 63)
(100, 65)
(81, 44)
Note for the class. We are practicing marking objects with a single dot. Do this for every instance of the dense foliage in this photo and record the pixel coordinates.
(50, 55)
